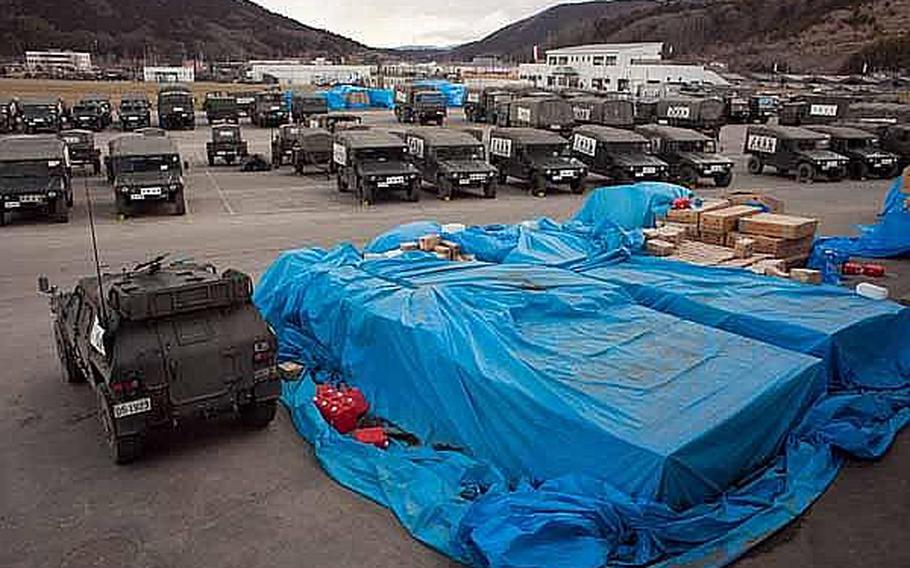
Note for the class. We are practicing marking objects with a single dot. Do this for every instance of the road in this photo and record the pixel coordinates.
(217, 495)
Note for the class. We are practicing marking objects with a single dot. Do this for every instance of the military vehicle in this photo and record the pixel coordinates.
(736, 109)
(227, 144)
(690, 154)
(862, 148)
(812, 109)
(9, 115)
(134, 112)
(706, 115)
(176, 108)
(762, 107)
(369, 162)
(621, 155)
(306, 105)
(81, 147)
(793, 150)
(539, 157)
(422, 105)
(89, 115)
(34, 175)
(246, 103)
(883, 113)
(145, 170)
(896, 138)
(270, 109)
(451, 160)
(314, 149)
(151, 131)
(481, 106)
(619, 113)
(160, 344)
(285, 139)
(42, 115)
(335, 121)
(221, 107)
(546, 113)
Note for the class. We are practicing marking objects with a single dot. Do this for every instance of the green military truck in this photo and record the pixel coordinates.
(452, 160)
(145, 171)
(541, 158)
(622, 155)
(793, 150)
(370, 162)
(34, 176)
(691, 155)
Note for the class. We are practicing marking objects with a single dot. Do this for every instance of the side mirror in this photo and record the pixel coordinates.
(44, 285)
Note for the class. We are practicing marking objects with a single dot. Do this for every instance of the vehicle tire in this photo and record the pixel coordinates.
(538, 184)
(577, 186)
(58, 211)
(489, 190)
(805, 173)
(69, 198)
(413, 192)
(123, 449)
(502, 178)
(724, 179)
(122, 205)
(859, 170)
(179, 204)
(444, 189)
(71, 372)
(258, 414)
(229, 160)
(755, 166)
(688, 176)
(211, 160)
(366, 193)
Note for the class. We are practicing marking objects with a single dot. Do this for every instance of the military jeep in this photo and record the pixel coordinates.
(134, 112)
(621, 155)
(619, 113)
(176, 108)
(419, 104)
(706, 115)
(286, 138)
(314, 150)
(369, 162)
(691, 155)
(481, 106)
(221, 107)
(793, 150)
(862, 148)
(145, 170)
(163, 344)
(306, 105)
(227, 144)
(88, 115)
(42, 115)
(82, 150)
(451, 160)
(539, 157)
(35, 175)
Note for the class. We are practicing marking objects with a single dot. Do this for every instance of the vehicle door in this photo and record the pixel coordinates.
(423, 157)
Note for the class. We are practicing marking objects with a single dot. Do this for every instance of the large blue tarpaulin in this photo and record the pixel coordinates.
(353, 97)
(454, 92)
(578, 404)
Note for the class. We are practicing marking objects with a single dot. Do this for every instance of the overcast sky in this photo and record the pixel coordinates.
(393, 23)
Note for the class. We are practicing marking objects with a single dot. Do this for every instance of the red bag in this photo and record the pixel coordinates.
(375, 436)
(682, 203)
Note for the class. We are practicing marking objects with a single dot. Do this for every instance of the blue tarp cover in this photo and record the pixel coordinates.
(578, 404)
(454, 92)
(338, 98)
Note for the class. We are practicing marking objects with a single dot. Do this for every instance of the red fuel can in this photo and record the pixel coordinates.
(852, 268)
(873, 270)
(375, 436)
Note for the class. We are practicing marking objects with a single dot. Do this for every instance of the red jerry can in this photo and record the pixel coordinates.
(375, 436)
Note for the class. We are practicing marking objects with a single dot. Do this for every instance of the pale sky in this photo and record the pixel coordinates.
(393, 23)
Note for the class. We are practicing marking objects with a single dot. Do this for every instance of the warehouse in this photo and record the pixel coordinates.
(294, 72)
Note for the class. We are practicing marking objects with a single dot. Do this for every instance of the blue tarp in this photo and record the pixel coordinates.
(454, 92)
(339, 98)
(579, 405)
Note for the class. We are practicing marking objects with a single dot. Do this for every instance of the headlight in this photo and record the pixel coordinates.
(413, 176)
(123, 189)
(52, 194)
(549, 172)
(371, 178)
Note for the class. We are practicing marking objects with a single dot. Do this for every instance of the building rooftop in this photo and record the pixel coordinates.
(653, 45)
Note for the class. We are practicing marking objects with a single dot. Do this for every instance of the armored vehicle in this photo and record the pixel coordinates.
(89, 115)
(9, 115)
(306, 105)
(314, 149)
(81, 147)
(221, 107)
(451, 160)
(270, 109)
(896, 138)
(862, 148)
(144, 170)
(227, 144)
(690, 154)
(621, 155)
(42, 115)
(547, 113)
(336, 121)
(34, 175)
(707, 115)
(619, 113)
(793, 150)
(419, 104)
(176, 108)
(286, 138)
(369, 162)
(539, 157)
(134, 112)
(161, 344)
(812, 109)
(481, 106)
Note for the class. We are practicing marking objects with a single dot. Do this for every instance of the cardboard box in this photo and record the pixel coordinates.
(755, 198)
(658, 247)
(691, 216)
(806, 275)
(725, 220)
(444, 252)
(672, 233)
(743, 247)
(774, 246)
(428, 242)
(455, 247)
(780, 226)
(702, 254)
(712, 238)
(410, 245)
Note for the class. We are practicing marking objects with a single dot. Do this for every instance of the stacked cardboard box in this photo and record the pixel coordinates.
(785, 236)
(714, 225)
(689, 218)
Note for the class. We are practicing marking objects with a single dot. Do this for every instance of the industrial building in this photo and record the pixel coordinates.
(619, 67)
(295, 72)
(170, 74)
(58, 61)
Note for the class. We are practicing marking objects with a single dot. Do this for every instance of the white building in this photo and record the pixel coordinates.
(622, 67)
(53, 60)
(299, 73)
(173, 74)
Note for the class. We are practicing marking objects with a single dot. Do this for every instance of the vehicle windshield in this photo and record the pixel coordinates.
(38, 110)
(161, 163)
(862, 143)
(706, 146)
(548, 150)
(430, 98)
(85, 109)
(132, 107)
(629, 147)
(381, 154)
(25, 169)
(823, 144)
(460, 153)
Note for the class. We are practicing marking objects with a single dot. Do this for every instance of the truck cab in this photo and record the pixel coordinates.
(81, 147)
(176, 108)
(691, 155)
(452, 160)
(420, 105)
(546, 113)
(134, 112)
(541, 158)
(862, 148)
(221, 107)
(370, 162)
(145, 170)
(270, 109)
(621, 155)
(88, 115)
(307, 105)
(286, 138)
(35, 175)
(227, 144)
(792, 150)
(42, 115)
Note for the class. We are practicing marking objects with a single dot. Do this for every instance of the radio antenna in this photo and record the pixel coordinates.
(91, 224)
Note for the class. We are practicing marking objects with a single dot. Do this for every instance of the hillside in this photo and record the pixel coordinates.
(163, 30)
(798, 35)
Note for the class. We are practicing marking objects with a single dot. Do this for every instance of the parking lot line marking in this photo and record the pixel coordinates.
(224, 200)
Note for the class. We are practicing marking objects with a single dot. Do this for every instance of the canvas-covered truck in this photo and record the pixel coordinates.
(221, 107)
(227, 145)
(370, 162)
(691, 155)
(134, 112)
(313, 151)
(792, 150)
(539, 157)
(482, 105)
(286, 138)
(145, 170)
(813, 109)
(621, 155)
(270, 109)
(163, 344)
(307, 105)
(704, 114)
(176, 108)
(419, 104)
(762, 107)
(80, 145)
(863, 149)
(545, 113)
(452, 160)
(35, 176)
(616, 112)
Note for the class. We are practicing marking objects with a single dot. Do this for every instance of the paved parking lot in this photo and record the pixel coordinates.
(216, 495)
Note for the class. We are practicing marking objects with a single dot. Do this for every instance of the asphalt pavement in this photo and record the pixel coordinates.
(214, 494)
